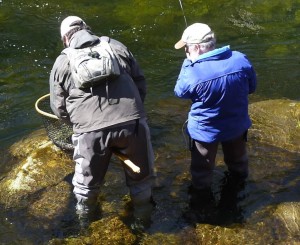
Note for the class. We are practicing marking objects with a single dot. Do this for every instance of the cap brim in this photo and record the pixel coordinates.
(179, 44)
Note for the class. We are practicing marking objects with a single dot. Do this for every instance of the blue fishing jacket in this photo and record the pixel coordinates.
(218, 84)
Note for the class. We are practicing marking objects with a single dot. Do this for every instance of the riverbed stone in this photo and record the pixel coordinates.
(39, 167)
(42, 173)
(276, 122)
(287, 220)
(107, 231)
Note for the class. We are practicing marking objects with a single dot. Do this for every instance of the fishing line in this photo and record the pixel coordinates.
(183, 13)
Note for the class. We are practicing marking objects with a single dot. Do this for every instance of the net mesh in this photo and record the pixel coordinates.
(58, 131)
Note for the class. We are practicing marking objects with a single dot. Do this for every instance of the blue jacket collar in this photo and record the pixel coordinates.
(214, 54)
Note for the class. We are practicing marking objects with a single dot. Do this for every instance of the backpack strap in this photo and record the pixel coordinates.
(111, 50)
(104, 38)
(65, 51)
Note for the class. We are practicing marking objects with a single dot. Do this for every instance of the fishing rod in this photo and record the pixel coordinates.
(183, 12)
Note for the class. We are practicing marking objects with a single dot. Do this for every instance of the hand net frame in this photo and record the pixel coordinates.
(57, 130)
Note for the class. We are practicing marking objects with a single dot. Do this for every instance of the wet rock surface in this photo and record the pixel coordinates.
(37, 192)
(276, 122)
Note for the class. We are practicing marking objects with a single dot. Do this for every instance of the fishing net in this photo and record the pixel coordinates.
(58, 131)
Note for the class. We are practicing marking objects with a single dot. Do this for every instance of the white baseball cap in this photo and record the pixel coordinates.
(66, 24)
(194, 33)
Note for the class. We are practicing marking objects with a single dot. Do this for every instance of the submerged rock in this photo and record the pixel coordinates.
(107, 231)
(276, 122)
(39, 167)
(287, 220)
(39, 189)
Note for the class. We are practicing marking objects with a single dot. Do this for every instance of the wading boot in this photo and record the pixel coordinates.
(232, 193)
(87, 213)
(201, 206)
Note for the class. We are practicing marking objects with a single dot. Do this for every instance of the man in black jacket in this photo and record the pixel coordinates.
(106, 119)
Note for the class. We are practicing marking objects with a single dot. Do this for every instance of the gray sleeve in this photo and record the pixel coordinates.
(130, 65)
(59, 79)
(138, 77)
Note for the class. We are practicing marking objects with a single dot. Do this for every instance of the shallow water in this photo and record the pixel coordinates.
(267, 31)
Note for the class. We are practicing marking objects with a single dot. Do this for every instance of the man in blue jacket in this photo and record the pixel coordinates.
(218, 82)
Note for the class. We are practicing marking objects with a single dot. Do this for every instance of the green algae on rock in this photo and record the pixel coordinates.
(38, 165)
(107, 231)
(276, 122)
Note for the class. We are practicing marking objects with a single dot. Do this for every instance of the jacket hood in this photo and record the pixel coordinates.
(82, 39)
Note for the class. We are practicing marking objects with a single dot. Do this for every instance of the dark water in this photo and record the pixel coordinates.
(267, 31)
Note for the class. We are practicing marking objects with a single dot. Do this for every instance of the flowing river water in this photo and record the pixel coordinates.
(267, 31)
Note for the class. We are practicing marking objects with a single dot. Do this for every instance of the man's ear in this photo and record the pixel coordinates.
(200, 49)
(65, 41)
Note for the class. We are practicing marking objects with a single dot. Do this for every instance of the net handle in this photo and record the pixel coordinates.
(43, 112)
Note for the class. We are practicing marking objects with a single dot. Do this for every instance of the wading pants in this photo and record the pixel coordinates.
(92, 154)
(203, 157)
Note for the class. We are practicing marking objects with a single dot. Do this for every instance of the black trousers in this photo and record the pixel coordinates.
(203, 157)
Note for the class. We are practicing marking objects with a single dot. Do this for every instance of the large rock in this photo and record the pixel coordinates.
(276, 122)
(39, 188)
(40, 168)
(287, 220)
(107, 231)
